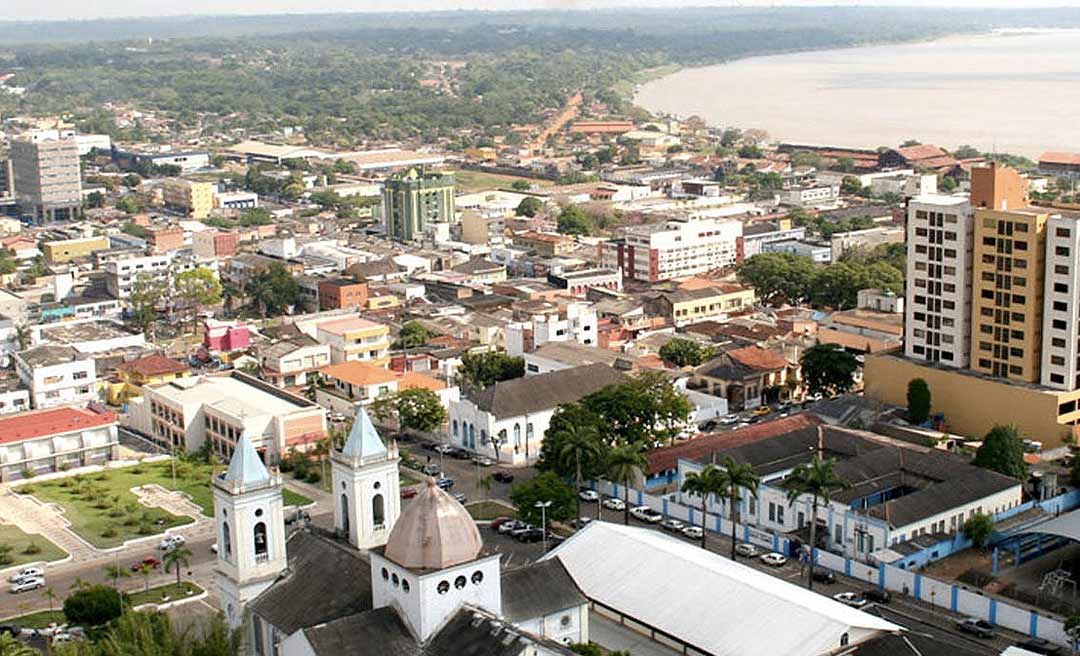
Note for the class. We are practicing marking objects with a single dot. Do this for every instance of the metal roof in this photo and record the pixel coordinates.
(1066, 526)
(246, 468)
(364, 440)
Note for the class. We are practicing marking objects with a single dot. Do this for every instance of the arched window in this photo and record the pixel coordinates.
(453, 427)
(344, 512)
(261, 544)
(517, 434)
(477, 577)
(459, 582)
(528, 432)
(443, 587)
(378, 515)
(472, 434)
(483, 438)
(226, 540)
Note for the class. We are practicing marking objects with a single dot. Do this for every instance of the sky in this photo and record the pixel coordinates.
(86, 9)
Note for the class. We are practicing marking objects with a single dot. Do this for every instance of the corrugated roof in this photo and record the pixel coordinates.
(718, 606)
(53, 421)
(511, 398)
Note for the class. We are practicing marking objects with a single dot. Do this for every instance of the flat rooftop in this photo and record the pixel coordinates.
(233, 394)
(91, 331)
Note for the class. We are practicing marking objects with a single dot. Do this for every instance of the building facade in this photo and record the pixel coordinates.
(414, 200)
(193, 199)
(57, 375)
(677, 248)
(47, 178)
(1061, 327)
(46, 441)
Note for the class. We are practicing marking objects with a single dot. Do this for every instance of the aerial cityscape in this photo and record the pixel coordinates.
(539, 329)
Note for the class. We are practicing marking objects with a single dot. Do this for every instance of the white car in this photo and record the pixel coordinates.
(728, 420)
(746, 549)
(614, 504)
(26, 585)
(692, 532)
(774, 559)
(646, 514)
(483, 461)
(27, 573)
(589, 495)
(853, 599)
(172, 542)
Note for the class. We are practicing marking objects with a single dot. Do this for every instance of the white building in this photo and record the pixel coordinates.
(574, 322)
(905, 185)
(810, 195)
(121, 275)
(57, 375)
(937, 318)
(676, 248)
(869, 238)
(45, 441)
(1061, 287)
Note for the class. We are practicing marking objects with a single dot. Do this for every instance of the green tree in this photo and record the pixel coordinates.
(947, 184)
(7, 263)
(818, 480)
(626, 466)
(546, 486)
(845, 165)
(129, 205)
(574, 221)
(95, 200)
(147, 295)
(521, 185)
(851, 186)
(686, 352)
(416, 408)
(978, 528)
(1002, 451)
(567, 419)
(641, 410)
(195, 289)
(480, 370)
(10, 646)
(778, 277)
(412, 335)
(177, 558)
(529, 207)
(750, 151)
(93, 605)
(733, 478)
(146, 570)
(131, 180)
(148, 633)
(578, 445)
(273, 290)
(918, 400)
(704, 484)
(50, 594)
(828, 369)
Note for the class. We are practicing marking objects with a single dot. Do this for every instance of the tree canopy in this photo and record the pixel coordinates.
(1002, 451)
(828, 369)
(574, 221)
(93, 605)
(683, 352)
(273, 290)
(918, 400)
(480, 370)
(530, 206)
(546, 486)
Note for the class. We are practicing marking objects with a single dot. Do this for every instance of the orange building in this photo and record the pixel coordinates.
(165, 239)
(997, 187)
(340, 293)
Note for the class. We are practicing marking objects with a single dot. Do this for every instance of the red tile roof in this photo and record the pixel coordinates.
(922, 151)
(667, 458)
(756, 357)
(1068, 159)
(153, 365)
(53, 421)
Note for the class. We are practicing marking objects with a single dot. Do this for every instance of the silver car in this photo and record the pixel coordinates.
(26, 585)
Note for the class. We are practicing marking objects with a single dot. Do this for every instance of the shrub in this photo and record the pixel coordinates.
(66, 482)
(93, 605)
(28, 473)
(109, 532)
(145, 529)
(313, 476)
(32, 549)
(27, 489)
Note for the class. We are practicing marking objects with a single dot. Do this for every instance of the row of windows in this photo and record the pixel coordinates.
(932, 354)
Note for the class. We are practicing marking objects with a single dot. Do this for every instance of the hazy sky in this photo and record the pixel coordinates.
(80, 9)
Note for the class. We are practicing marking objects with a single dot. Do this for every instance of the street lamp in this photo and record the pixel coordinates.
(543, 506)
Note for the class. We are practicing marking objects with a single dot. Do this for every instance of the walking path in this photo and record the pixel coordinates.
(45, 519)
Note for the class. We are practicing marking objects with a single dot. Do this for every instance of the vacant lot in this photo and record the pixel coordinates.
(469, 180)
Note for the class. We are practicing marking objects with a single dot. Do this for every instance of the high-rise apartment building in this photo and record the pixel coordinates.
(937, 324)
(1061, 327)
(676, 248)
(414, 200)
(47, 178)
(195, 199)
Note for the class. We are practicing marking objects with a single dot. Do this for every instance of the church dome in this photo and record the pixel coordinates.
(434, 532)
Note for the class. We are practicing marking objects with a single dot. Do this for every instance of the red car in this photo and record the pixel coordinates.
(149, 560)
(498, 521)
(408, 492)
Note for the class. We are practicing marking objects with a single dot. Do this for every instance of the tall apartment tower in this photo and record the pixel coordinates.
(937, 325)
(47, 178)
(1008, 264)
(414, 200)
(1061, 304)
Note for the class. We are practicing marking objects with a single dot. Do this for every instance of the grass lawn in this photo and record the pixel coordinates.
(164, 593)
(469, 180)
(38, 620)
(104, 511)
(409, 477)
(26, 547)
(484, 510)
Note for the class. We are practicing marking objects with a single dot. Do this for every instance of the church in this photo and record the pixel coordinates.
(385, 582)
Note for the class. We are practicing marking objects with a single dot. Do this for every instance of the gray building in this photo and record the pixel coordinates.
(414, 200)
(7, 186)
(47, 179)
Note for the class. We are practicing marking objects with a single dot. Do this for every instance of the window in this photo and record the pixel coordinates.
(459, 582)
(261, 545)
(378, 512)
(1061, 288)
(404, 586)
(477, 577)
(226, 540)
(443, 587)
(1062, 232)
(1063, 251)
(453, 427)
(385, 574)
(395, 580)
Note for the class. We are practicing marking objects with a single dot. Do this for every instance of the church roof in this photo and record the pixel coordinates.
(434, 532)
(541, 589)
(245, 467)
(364, 440)
(325, 581)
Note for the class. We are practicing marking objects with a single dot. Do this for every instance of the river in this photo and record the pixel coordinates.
(1016, 92)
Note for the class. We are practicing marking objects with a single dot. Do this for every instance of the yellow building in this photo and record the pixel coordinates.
(66, 250)
(713, 303)
(195, 199)
(133, 376)
(973, 403)
(355, 339)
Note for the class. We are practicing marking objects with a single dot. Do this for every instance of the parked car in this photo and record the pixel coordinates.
(443, 449)
(26, 585)
(445, 483)
(672, 525)
(581, 522)
(1034, 645)
(774, 559)
(531, 535)
(589, 495)
(762, 410)
(430, 469)
(728, 420)
(611, 503)
(747, 550)
(460, 497)
(150, 561)
(824, 576)
(976, 627)
(692, 532)
(171, 542)
(853, 599)
(483, 461)
(521, 530)
(460, 454)
(408, 492)
(508, 526)
(877, 595)
(337, 416)
(646, 514)
(503, 477)
(27, 573)
(497, 522)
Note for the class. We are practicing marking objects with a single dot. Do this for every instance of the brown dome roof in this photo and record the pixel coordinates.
(434, 532)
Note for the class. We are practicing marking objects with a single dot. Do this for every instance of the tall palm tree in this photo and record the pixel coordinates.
(704, 484)
(177, 557)
(625, 466)
(817, 479)
(734, 477)
(578, 442)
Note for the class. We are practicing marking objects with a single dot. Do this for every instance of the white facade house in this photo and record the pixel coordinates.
(57, 375)
(937, 312)
(810, 195)
(574, 322)
(121, 275)
(677, 248)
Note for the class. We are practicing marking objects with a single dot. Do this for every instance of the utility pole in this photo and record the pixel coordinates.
(543, 506)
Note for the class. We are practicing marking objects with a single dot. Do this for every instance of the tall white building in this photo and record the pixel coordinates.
(937, 317)
(676, 248)
(1061, 327)
(365, 474)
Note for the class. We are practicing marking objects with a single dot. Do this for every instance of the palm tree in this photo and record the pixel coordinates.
(177, 557)
(734, 476)
(146, 569)
(625, 466)
(817, 479)
(79, 584)
(577, 442)
(703, 484)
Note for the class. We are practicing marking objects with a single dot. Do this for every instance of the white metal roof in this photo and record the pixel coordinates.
(1066, 526)
(706, 600)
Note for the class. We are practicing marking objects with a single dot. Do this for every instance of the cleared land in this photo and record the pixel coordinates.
(469, 180)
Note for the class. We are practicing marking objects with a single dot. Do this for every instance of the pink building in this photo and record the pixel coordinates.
(226, 335)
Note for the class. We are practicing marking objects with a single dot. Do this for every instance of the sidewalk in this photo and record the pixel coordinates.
(34, 517)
